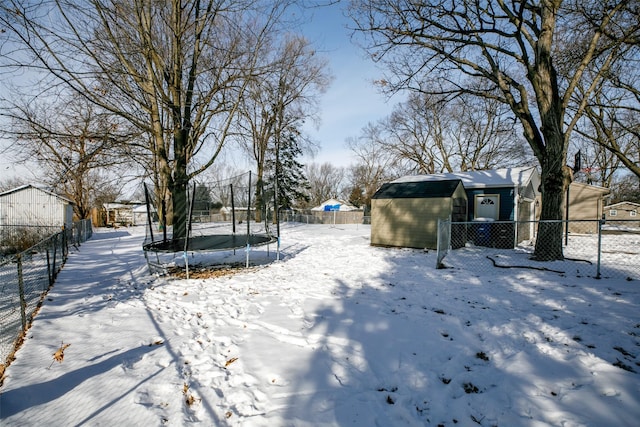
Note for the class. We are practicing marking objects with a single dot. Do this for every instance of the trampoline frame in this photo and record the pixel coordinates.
(212, 242)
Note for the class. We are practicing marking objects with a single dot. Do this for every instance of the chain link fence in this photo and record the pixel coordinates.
(25, 278)
(595, 248)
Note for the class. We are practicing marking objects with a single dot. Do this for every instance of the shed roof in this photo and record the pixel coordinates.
(27, 186)
(417, 189)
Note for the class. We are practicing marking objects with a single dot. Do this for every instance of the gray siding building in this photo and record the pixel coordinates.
(32, 206)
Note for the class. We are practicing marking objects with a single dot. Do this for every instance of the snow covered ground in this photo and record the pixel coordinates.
(336, 333)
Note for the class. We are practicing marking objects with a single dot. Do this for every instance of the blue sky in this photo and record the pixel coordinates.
(349, 104)
(351, 101)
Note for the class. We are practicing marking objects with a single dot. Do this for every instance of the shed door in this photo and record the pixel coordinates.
(487, 206)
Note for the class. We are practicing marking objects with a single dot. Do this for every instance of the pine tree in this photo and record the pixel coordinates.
(293, 186)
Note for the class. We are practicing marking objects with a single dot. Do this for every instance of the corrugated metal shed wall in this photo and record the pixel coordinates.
(31, 206)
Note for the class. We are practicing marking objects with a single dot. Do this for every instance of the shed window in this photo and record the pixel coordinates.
(613, 212)
(633, 213)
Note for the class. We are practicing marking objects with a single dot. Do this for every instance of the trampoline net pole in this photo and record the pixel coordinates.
(233, 210)
(276, 212)
(188, 228)
(249, 209)
(146, 197)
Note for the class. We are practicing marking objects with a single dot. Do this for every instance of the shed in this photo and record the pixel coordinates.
(405, 212)
(506, 194)
(586, 203)
(118, 214)
(29, 206)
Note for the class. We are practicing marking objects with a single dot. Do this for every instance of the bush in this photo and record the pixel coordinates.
(17, 239)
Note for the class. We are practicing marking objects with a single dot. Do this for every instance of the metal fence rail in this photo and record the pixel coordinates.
(595, 248)
(25, 279)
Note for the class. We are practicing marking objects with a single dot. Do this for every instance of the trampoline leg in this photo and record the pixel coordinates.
(186, 264)
(148, 264)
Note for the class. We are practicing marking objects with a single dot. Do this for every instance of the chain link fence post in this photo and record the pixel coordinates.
(600, 224)
(23, 301)
(443, 243)
(27, 277)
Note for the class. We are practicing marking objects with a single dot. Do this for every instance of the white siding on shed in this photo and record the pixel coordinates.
(32, 206)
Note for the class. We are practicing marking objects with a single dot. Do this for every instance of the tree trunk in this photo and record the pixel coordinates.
(549, 239)
(179, 199)
(554, 177)
(552, 156)
(178, 187)
(259, 196)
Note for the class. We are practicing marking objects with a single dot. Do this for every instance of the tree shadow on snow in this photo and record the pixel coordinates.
(450, 346)
(22, 398)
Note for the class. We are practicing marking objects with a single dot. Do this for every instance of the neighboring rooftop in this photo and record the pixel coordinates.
(482, 179)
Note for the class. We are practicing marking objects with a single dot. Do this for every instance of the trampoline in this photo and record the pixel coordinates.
(206, 231)
(216, 242)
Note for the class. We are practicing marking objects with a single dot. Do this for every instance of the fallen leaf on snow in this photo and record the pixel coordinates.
(58, 356)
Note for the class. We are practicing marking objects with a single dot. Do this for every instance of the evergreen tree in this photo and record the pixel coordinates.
(356, 197)
(293, 186)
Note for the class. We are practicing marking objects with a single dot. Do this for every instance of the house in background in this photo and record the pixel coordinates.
(496, 200)
(335, 211)
(332, 205)
(31, 206)
(493, 195)
(125, 214)
(622, 211)
(405, 212)
(507, 194)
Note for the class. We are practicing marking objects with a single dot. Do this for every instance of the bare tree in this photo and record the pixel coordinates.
(427, 134)
(603, 143)
(485, 135)
(374, 165)
(417, 132)
(611, 110)
(11, 183)
(76, 145)
(326, 182)
(611, 125)
(626, 188)
(281, 99)
(175, 70)
(448, 46)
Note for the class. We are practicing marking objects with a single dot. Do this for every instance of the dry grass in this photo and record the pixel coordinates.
(206, 271)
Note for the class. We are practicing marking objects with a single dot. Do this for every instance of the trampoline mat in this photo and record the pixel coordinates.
(216, 242)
